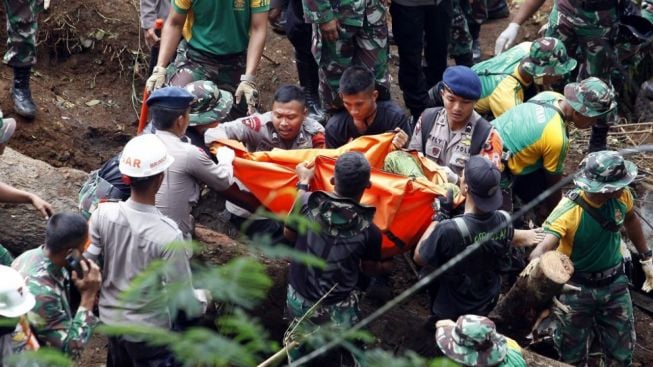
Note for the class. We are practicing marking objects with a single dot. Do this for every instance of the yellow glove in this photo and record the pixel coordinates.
(247, 88)
(647, 267)
(157, 79)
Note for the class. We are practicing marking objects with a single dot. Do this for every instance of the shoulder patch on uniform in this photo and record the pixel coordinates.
(252, 122)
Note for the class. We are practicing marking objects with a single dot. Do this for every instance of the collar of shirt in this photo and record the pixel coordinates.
(56, 273)
(139, 207)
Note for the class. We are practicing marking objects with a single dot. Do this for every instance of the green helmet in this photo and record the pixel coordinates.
(591, 97)
(548, 56)
(605, 171)
(210, 105)
(472, 341)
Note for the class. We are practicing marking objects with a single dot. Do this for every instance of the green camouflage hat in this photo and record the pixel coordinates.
(210, 105)
(591, 97)
(605, 171)
(472, 341)
(338, 216)
(548, 56)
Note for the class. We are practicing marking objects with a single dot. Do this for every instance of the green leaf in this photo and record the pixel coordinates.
(43, 357)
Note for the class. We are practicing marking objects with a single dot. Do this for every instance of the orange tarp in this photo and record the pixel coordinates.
(403, 205)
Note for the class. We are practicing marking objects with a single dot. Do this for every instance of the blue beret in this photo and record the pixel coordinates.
(462, 81)
(171, 97)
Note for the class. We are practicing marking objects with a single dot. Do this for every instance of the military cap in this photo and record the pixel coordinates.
(473, 341)
(591, 97)
(462, 81)
(548, 56)
(211, 104)
(604, 172)
(170, 97)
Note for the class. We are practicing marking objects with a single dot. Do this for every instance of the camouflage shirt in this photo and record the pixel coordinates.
(52, 318)
(258, 134)
(350, 12)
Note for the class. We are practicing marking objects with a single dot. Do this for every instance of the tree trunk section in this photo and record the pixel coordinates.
(517, 312)
(22, 226)
(537, 360)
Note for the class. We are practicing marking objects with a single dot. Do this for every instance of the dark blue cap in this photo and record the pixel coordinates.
(462, 81)
(171, 97)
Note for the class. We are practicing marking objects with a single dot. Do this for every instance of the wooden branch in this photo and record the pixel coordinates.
(517, 312)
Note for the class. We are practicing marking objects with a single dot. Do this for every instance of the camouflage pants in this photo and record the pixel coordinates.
(589, 38)
(192, 65)
(367, 45)
(5, 257)
(342, 314)
(608, 312)
(21, 31)
(460, 42)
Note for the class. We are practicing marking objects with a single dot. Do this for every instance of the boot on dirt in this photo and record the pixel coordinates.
(465, 60)
(599, 137)
(21, 94)
(309, 80)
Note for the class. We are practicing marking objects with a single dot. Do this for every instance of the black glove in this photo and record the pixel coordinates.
(443, 207)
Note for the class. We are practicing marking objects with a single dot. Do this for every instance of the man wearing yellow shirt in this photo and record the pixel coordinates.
(508, 77)
(586, 226)
(535, 138)
(222, 42)
(516, 75)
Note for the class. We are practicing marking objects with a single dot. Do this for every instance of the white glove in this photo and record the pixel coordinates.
(452, 177)
(225, 156)
(647, 267)
(157, 79)
(46, 4)
(506, 38)
(203, 296)
(248, 90)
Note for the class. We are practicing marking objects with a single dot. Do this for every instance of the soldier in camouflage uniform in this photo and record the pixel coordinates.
(223, 41)
(586, 227)
(348, 32)
(473, 341)
(460, 44)
(21, 50)
(347, 241)
(588, 29)
(56, 324)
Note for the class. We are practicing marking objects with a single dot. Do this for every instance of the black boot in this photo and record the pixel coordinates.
(599, 138)
(309, 80)
(21, 95)
(466, 59)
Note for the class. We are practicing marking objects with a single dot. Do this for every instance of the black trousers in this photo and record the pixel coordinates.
(123, 353)
(421, 32)
(300, 34)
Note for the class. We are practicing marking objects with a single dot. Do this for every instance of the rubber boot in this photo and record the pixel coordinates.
(309, 80)
(599, 138)
(466, 59)
(21, 94)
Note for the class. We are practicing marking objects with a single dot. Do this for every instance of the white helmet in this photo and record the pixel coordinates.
(15, 298)
(144, 156)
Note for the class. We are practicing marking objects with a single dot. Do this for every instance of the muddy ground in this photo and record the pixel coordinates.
(87, 85)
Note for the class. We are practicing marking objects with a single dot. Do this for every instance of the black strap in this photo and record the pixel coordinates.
(463, 230)
(480, 134)
(548, 105)
(427, 121)
(606, 223)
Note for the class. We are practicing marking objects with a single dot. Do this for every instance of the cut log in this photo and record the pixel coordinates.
(537, 360)
(22, 226)
(517, 312)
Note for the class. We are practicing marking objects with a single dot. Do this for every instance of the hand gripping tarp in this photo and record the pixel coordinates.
(403, 205)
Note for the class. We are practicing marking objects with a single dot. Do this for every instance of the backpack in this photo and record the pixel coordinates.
(479, 134)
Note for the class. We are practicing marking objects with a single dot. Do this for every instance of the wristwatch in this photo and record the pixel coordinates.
(248, 78)
(302, 186)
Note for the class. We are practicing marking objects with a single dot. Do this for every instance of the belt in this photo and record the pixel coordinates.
(595, 5)
(600, 278)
